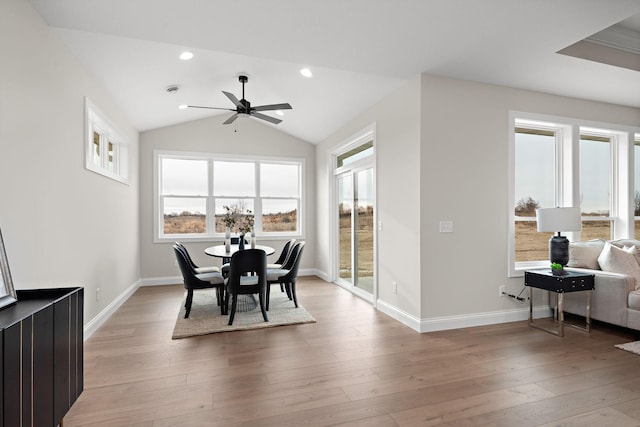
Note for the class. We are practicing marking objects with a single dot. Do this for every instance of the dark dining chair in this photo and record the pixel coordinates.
(247, 276)
(195, 281)
(286, 275)
(211, 269)
(282, 259)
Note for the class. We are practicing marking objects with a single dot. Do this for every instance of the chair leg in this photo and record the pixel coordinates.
(262, 305)
(268, 295)
(224, 309)
(292, 289)
(187, 304)
(234, 303)
(281, 287)
(287, 288)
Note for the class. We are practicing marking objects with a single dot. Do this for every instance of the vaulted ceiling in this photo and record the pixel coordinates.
(358, 50)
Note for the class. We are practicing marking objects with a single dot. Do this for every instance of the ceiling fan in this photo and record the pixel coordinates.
(243, 107)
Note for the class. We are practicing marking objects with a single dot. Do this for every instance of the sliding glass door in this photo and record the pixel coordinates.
(355, 219)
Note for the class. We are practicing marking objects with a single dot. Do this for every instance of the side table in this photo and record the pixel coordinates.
(569, 281)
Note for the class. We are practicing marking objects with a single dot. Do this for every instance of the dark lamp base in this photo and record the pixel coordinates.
(559, 250)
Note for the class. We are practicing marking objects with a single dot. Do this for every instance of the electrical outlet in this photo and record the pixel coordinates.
(97, 294)
(394, 287)
(502, 291)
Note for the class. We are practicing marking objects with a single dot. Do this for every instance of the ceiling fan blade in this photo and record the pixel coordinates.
(265, 117)
(285, 106)
(231, 119)
(233, 99)
(210, 108)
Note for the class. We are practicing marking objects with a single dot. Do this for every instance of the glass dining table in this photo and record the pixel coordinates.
(220, 251)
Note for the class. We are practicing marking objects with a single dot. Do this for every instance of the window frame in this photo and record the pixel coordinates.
(96, 121)
(567, 182)
(211, 197)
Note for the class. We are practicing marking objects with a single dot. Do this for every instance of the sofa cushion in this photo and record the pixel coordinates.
(628, 243)
(634, 300)
(621, 261)
(585, 254)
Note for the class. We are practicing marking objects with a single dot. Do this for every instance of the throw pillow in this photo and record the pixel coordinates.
(585, 254)
(618, 260)
(628, 243)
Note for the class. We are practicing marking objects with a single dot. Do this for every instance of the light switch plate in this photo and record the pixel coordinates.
(446, 226)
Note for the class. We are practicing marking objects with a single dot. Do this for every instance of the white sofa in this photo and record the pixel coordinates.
(616, 297)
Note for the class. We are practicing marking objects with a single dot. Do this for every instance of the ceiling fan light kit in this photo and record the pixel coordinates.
(244, 108)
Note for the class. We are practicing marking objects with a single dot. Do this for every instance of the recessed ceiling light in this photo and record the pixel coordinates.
(185, 56)
(306, 72)
(280, 113)
(183, 107)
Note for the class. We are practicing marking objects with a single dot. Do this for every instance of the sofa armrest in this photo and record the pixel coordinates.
(610, 296)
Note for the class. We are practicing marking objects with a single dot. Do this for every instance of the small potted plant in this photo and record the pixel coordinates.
(557, 269)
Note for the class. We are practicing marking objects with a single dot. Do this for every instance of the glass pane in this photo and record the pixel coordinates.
(355, 154)
(345, 197)
(240, 206)
(184, 215)
(96, 148)
(279, 180)
(279, 215)
(184, 177)
(596, 230)
(534, 188)
(531, 245)
(234, 179)
(364, 230)
(595, 173)
(110, 156)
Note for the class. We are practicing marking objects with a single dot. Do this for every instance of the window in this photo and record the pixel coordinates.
(193, 190)
(595, 186)
(636, 181)
(565, 162)
(105, 151)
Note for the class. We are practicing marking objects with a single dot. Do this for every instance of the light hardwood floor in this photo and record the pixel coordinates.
(355, 367)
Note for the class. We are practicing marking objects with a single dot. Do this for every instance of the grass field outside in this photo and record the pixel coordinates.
(190, 223)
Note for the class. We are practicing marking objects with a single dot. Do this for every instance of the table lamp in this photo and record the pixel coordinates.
(557, 220)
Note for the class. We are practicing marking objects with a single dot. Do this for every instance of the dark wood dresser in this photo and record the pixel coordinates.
(42, 357)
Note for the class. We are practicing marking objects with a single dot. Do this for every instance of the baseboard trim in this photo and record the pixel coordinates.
(400, 315)
(94, 324)
(462, 321)
(158, 281)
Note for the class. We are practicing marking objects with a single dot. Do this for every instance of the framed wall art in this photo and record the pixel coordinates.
(7, 292)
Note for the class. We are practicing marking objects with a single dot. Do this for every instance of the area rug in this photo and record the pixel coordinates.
(633, 347)
(205, 317)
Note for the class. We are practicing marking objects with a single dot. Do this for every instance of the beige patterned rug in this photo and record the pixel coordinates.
(633, 347)
(205, 317)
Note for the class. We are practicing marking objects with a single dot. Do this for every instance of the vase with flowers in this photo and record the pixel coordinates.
(245, 227)
(229, 219)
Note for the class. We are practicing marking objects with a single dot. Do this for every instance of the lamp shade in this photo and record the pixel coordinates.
(558, 219)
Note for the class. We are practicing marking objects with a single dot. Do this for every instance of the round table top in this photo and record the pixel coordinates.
(220, 251)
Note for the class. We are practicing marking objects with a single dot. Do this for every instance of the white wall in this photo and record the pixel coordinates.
(62, 224)
(211, 136)
(446, 160)
(464, 162)
(397, 120)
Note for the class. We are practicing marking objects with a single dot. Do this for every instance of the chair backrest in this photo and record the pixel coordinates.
(188, 275)
(294, 262)
(286, 251)
(247, 262)
(186, 254)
